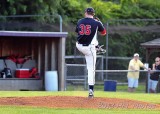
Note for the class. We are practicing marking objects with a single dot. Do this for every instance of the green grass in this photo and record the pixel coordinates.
(152, 98)
(30, 110)
(100, 87)
(123, 88)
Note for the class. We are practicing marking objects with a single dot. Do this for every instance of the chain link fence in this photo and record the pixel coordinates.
(76, 72)
(40, 23)
(124, 38)
(122, 41)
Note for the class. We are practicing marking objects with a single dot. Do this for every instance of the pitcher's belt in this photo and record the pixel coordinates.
(85, 44)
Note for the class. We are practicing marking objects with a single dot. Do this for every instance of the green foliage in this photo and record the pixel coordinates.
(21, 7)
(70, 44)
(112, 9)
(73, 10)
(139, 9)
(105, 10)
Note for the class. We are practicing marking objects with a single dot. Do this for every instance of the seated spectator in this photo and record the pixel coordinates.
(154, 76)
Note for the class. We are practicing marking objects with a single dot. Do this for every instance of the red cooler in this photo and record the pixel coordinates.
(22, 73)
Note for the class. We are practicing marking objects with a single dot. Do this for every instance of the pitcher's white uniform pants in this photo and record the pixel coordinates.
(90, 56)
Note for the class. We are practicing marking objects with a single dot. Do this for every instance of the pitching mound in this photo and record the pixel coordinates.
(77, 102)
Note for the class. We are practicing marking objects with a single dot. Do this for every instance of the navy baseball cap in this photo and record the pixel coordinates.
(90, 10)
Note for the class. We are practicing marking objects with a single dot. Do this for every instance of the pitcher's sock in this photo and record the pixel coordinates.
(91, 87)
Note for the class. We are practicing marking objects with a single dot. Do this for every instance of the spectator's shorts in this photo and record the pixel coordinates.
(153, 84)
(132, 82)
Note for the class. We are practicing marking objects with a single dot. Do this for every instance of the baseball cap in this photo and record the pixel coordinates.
(90, 10)
(136, 54)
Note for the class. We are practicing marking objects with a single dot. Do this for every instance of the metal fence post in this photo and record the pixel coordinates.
(86, 77)
(102, 78)
(65, 86)
(107, 50)
(60, 19)
(148, 76)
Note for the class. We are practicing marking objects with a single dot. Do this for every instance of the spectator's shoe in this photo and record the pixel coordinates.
(91, 95)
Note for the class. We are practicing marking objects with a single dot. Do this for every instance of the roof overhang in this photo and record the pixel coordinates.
(152, 44)
(33, 34)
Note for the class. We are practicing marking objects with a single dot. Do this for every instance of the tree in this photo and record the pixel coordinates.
(28, 7)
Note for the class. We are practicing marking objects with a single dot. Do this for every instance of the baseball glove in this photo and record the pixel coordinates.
(100, 50)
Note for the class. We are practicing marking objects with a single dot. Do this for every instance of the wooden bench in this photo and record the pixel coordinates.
(19, 84)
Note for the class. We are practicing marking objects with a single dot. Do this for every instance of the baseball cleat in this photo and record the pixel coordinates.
(91, 95)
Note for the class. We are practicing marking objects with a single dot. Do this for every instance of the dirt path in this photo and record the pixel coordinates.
(77, 102)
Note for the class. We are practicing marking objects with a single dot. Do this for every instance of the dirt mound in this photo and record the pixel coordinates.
(77, 102)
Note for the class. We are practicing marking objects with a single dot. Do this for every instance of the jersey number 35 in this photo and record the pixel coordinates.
(85, 29)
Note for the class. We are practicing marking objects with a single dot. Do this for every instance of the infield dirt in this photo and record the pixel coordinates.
(78, 102)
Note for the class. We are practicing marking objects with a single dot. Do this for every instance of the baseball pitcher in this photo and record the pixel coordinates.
(87, 42)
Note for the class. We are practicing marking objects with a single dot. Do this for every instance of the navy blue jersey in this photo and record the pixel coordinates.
(87, 28)
(155, 76)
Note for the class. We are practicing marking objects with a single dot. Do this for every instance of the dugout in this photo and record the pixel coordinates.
(152, 47)
(47, 50)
